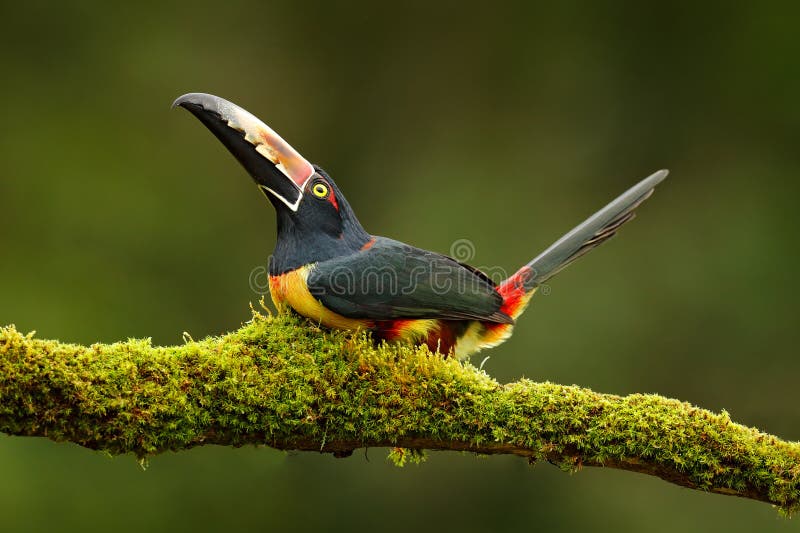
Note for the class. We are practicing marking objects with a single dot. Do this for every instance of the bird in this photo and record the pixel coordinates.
(329, 269)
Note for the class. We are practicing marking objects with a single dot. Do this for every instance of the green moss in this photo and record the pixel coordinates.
(285, 383)
(401, 456)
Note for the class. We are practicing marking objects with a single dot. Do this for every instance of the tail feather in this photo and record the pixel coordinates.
(591, 233)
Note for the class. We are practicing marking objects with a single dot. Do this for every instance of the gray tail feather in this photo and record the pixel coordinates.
(594, 231)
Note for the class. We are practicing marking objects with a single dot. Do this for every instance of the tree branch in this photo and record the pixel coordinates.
(286, 384)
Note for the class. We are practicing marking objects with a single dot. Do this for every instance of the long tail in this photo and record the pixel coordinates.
(594, 231)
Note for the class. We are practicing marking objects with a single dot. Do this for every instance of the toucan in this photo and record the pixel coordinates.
(328, 268)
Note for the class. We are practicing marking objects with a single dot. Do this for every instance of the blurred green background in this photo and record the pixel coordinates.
(503, 124)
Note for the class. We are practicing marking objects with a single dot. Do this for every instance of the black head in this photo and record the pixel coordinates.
(323, 227)
(315, 222)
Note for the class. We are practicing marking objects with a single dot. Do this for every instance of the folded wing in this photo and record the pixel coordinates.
(392, 280)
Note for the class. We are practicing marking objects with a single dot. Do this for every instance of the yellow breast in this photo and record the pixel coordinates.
(291, 289)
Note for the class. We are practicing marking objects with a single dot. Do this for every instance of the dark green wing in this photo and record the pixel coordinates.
(393, 280)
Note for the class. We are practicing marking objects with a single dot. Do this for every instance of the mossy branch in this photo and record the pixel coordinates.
(283, 383)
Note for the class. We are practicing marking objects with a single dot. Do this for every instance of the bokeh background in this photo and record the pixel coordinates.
(498, 123)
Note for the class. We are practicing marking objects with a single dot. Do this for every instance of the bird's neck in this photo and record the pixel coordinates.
(299, 245)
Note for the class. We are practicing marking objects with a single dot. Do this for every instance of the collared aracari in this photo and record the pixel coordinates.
(327, 268)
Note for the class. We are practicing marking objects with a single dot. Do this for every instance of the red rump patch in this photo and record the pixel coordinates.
(441, 338)
(391, 330)
(513, 291)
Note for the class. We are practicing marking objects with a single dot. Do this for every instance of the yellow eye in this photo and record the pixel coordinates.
(320, 190)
